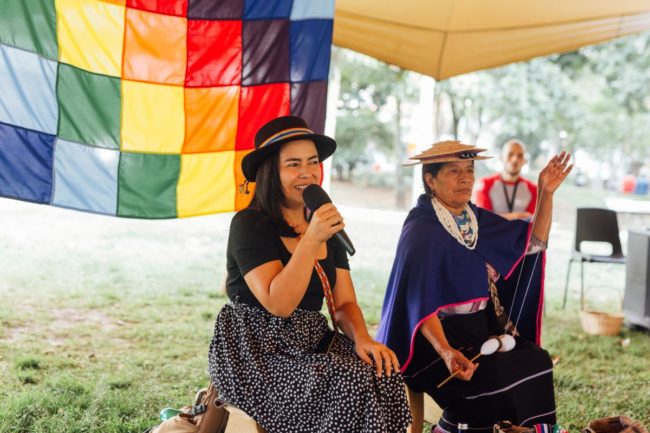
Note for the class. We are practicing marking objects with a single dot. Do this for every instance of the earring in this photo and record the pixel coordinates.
(243, 188)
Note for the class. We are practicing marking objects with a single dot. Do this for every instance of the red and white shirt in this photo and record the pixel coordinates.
(495, 194)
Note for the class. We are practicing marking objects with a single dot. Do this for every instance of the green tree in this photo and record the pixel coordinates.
(533, 101)
(620, 68)
(355, 131)
(370, 89)
(595, 99)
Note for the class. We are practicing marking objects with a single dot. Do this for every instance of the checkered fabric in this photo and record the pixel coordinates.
(145, 108)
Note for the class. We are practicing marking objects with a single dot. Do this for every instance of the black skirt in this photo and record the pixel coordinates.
(269, 367)
(515, 386)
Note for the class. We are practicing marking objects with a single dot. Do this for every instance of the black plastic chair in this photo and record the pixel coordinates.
(594, 225)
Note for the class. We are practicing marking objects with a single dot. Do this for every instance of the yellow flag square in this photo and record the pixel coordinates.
(206, 184)
(91, 35)
(153, 120)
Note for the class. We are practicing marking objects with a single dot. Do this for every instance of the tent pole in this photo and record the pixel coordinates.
(424, 125)
(333, 93)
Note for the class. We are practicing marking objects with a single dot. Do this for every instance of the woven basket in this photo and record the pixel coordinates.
(601, 323)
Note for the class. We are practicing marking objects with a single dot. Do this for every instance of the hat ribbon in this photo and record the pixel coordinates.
(287, 133)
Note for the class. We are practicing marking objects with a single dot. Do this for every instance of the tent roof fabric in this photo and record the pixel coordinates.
(444, 38)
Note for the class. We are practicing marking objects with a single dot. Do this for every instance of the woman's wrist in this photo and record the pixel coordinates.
(309, 245)
(310, 241)
(362, 338)
(359, 333)
(442, 349)
(545, 190)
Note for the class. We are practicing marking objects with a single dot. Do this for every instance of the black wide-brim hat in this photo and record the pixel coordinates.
(274, 134)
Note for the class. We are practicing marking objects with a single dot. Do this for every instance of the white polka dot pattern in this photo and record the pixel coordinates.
(266, 366)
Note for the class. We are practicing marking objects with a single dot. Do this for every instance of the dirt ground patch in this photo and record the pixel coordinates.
(59, 324)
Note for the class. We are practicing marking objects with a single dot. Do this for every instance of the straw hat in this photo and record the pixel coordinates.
(447, 151)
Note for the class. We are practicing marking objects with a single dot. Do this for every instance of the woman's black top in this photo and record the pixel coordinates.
(255, 240)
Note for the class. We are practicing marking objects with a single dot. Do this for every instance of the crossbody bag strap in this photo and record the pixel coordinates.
(327, 290)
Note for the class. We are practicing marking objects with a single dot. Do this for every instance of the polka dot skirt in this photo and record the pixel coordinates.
(266, 366)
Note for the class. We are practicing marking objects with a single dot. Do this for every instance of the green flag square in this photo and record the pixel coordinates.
(29, 25)
(147, 185)
(90, 107)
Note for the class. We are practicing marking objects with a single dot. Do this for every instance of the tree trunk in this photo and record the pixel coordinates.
(438, 116)
(454, 115)
(400, 157)
(351, 166)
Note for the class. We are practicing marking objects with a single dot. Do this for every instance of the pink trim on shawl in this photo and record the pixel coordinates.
(419, 324)
(540, 308)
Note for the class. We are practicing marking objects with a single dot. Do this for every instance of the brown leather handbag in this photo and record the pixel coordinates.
(208, 415)
(614, 424)
(508, 427)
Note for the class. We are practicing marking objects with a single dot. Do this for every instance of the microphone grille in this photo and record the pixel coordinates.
(314, 197)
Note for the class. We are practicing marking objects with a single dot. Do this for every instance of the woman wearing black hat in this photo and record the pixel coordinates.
(273, 354)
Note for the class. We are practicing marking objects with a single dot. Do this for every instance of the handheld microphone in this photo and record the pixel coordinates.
(314, 197)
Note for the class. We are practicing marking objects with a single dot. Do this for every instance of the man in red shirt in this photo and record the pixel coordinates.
(508, 193)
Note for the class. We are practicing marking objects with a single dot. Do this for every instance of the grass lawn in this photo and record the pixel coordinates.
(104, 321)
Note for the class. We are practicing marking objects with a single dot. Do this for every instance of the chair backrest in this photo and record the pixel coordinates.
(598, 225)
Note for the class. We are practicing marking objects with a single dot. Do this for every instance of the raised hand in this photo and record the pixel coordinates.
(552, 176)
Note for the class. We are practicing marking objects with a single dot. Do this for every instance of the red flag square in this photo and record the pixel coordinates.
(169, 7)
(214, 52)
(258, 105)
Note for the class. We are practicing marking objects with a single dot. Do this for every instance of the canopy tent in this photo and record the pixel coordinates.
(444, 38)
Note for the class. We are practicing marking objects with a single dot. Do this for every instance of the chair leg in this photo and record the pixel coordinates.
(582, 284)
(566, 284)
(416, 404)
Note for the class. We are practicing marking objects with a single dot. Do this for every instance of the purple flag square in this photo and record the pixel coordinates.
(266, 52)
(215, 9)
(309, 101)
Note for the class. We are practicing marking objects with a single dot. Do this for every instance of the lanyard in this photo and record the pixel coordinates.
(510, 201)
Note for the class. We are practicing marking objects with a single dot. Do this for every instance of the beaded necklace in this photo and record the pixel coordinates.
(466, 233)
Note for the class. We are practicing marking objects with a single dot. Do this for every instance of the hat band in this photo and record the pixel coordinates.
(448, 158)
(287, 133)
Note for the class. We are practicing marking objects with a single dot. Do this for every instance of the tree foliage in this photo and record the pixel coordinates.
(369, 113)
(596, 99)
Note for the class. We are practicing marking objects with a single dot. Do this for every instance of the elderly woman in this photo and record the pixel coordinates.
(454, 261)
(273, 354)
